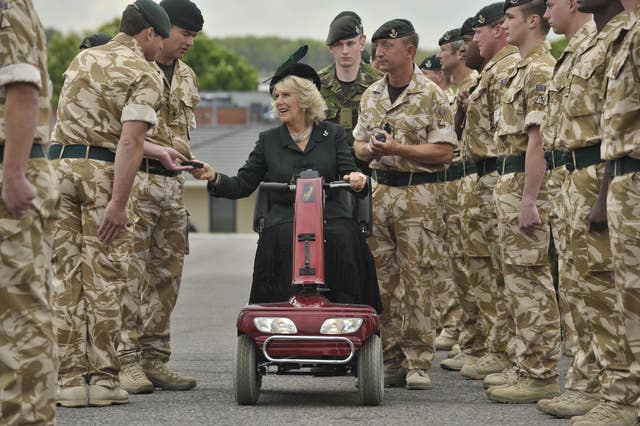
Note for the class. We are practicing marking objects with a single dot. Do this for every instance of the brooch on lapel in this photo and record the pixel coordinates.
(325, 133)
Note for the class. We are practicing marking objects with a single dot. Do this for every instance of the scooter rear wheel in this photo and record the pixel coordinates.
(370, 371)
(246, 380)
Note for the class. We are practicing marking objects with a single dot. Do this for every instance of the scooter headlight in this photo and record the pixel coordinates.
(275, 325)
(341, 325)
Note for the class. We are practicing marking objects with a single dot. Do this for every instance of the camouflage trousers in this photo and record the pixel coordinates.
(528, 280)
(407, 223)
(89, 276)
(447, 308)
(582, 373)
(28, 367)
(484, 258)
(623, 214)
(155, 270)
(473, 329)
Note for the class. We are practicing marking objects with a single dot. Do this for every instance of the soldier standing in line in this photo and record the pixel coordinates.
(582, 376)
(344, 81)
(453, 276)
(484, 255)
(407, 222)
(621, 148)
(160, 234)
(29, 203)
(432, 69)
(108, 102)
(581, 132)
(523, 209)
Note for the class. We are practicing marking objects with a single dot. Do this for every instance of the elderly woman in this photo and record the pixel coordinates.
(303, 141)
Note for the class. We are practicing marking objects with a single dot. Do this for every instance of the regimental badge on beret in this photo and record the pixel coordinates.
(513, 1)
(481, 19)
(393, 33)
(447, 36)
(428, 64)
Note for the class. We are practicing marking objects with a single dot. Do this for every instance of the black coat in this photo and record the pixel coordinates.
(277, 158)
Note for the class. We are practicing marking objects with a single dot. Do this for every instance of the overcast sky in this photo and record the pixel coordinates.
(285, 18)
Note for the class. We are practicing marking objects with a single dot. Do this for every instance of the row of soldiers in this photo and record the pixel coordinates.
(531, 150)
(100, 215)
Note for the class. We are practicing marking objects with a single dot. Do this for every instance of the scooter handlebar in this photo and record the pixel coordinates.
(338, 184)
(277, 186)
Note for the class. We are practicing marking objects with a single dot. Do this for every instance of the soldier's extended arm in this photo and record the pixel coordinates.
(534, 170)
(129, 154)
(598, 213)
(21, 119)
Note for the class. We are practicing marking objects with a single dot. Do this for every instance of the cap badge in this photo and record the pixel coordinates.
(447, 36)
(481, 19)
(357, 29)
(393, 33)
(513, 1)
(428, 64)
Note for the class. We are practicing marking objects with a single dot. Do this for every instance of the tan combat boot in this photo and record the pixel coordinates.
(163, 378)
(608, 414)
(72, 396)
(490, 363)
(505, 377)
(394, 376)
(418, 380)
(455, 350)
(445, 343)
(102, 396)
(457, 362)
(570, 403)
(133, 380)
(524, 391)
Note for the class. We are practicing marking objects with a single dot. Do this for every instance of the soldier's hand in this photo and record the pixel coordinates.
(172, 160)
(462, 99)
(598, 216)
(17, 194)
(529, 219)
(381, 148)
(113, 222)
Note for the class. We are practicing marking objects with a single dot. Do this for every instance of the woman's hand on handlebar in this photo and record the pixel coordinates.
(357, 180)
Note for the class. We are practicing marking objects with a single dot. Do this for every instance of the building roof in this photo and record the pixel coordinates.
(225, 148)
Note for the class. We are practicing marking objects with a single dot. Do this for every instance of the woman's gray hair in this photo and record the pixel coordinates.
(309, 97)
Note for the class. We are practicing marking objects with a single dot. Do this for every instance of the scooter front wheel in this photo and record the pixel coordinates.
(371, 371)
(246, 380)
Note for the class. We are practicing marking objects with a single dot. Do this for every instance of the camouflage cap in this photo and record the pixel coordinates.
(344, 28)
(184, 13)
(155, 16)
(514, 3)
(467, 27)
(95, 40)
(396, 28)
(488, 14)
(432, 63)
(450, 36)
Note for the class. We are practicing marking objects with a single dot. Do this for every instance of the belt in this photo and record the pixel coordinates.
(406, 178)
(58, 151)
(37, 151)
(156, 168)
(486, 166)
(458, 170)
(512, 164)
(555, 159)
(583, 157)
(623, 166)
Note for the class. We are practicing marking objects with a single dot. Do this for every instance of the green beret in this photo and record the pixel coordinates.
(184, 14)
(347, 13)
(488, 14)
(514, 3)
(431, 63)
(292, 67)
(344, 28)
(450, 36)
(155, 16)
(467, 27)
(396, 28)
(95, 40)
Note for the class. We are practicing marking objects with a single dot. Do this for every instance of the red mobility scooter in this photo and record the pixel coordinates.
(308, 335)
